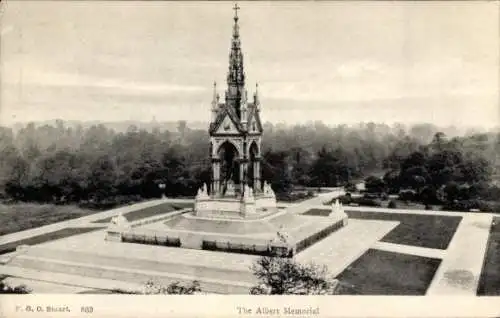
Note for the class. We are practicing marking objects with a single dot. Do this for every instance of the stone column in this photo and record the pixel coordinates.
(215, 176)
(243, 172)
(256, 174)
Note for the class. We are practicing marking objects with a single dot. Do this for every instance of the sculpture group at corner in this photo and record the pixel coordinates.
(247, 193)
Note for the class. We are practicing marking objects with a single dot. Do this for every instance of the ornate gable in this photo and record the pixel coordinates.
(254, 123)
(226, 122)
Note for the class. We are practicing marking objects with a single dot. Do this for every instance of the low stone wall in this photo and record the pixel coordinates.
(223, 205)
(150, 239)
(233, 208)
(116, 234)
(318, 236)
(253, 249)
(219, 214)
(265, 245)
(207, 241)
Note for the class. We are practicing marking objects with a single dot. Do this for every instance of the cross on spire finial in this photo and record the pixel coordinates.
(236, 8)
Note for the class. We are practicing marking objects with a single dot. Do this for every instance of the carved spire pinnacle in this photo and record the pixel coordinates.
(244, 110)
(215, 96)
(256, 100)
(236, 8)
(236, 75)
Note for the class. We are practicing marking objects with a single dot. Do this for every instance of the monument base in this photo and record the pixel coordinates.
(275, 234)
(235, 208)
(247, 223)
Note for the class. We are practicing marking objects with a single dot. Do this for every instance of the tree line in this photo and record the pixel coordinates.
(457, 173)
(100, 167)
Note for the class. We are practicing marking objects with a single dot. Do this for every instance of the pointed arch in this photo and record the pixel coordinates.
(228, 154)
(229, 144)
(253, 149)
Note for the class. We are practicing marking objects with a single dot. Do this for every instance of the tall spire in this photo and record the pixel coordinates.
(215, 101)
(256, 100)
(236, 75)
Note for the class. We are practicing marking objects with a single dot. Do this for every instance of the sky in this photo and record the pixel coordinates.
(339, 62)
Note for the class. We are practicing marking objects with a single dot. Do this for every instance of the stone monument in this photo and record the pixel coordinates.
(240, 211)
(118, 225)
(338, 210)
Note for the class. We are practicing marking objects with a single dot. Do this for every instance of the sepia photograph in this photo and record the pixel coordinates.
(258, 148)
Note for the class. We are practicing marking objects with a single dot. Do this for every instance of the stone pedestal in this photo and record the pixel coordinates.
(338, 211)
(118, 225)
(231, 206)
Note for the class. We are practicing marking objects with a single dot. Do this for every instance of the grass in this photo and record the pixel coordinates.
(97, 292)
(59, 234)
(23, 216)
(386, 273)
(400, 204)
(318, 212)
(294, 197)
(150, 211)
(489, 281)
(432, 231)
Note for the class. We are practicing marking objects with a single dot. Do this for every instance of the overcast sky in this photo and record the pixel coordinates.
(340, 62)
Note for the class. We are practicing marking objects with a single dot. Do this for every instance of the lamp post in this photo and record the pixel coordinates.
(162, 186)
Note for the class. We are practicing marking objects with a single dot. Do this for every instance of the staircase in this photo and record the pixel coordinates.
(111, 272)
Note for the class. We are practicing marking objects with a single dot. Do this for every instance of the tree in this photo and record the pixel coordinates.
(475, 169)
(430, 195)
(330, 168)
(175, 288)
(284, 276)
(350, 187)
(275, 168)
(7, 289)
(438, 141)
(68, 163)
(452, 191)
(392, 181)
(374, 185)
(414, 177)
(392, 205)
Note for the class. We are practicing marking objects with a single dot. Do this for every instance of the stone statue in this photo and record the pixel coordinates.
(202, 192)
(268, 190)
(246, 191)
(119, 221)
(282, 236)
(230, 190)
(337, 208)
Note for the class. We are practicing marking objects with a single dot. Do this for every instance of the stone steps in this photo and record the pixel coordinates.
(134, 271)
(126, 275)
(142, 263)
(66, 279)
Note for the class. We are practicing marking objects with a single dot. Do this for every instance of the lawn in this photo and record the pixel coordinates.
(489, 281)
(150, 211)
(63, 233)
(359, 200)
(432, 231)
(23, 216)
(294, 197)
(318, 212)
(386, 273)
